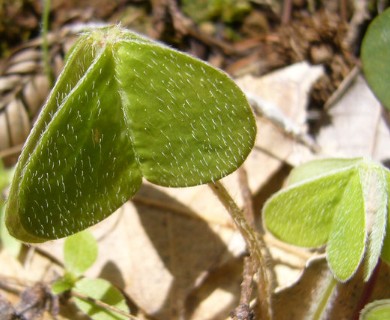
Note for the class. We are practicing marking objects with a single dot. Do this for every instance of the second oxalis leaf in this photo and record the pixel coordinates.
(124, 108)
(339, 202)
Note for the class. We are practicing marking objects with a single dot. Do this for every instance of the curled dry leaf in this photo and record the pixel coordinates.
(287, 90)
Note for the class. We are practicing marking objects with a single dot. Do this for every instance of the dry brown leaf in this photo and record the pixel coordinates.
(286, 89)
(11, 271)
(298, 301)
(18, 122)
(357, 126)
(4, 134)
(218, 295)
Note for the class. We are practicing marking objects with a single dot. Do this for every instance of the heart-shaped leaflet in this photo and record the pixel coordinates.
(343, 203)
(124, 107)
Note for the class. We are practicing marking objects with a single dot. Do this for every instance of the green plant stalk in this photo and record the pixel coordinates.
(255, 244)
(321, 306)
(45, 43)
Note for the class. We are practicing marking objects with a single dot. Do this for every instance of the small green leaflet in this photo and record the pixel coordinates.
(80, 252)
(339, 202)
(376, 310)
(375, 54)
(124, 108)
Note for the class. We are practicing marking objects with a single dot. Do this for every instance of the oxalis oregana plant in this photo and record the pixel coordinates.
(124, 108)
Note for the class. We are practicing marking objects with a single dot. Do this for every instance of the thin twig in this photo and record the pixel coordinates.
(342, 88)
(343, 10)
(243, 311)
(361, 14)
(246, 195)
(45, 42)
(256, 247)
(286, 14)
(102, 304)
(246, 287)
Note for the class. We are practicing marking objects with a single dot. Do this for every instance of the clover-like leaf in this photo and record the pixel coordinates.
(375, 57)
(339, 202)
(124, 108)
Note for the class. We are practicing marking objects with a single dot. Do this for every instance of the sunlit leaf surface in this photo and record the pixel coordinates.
(124, 108)
(339, 202)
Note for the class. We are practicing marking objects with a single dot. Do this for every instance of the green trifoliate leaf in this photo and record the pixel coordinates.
(124, 108)
(101, 290)
(377, 310)
(80, 252)
(375, 57)
(339, 202)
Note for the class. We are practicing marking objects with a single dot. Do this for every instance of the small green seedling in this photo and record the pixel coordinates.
(375, 55)
(343, 203)
(80, 253)
(124, 108)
